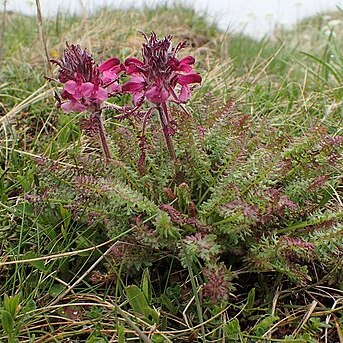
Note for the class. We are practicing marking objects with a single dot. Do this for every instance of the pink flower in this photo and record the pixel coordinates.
(136, 86)
(86, 85)
(160, 77)
(185, 81)
(86, 89)
(157, 93)
(73, 106)
(110, 71)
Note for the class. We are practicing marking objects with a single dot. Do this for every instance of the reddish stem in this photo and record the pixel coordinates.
(163, 112)
(102, 136)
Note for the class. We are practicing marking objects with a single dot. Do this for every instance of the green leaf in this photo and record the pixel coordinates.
(7, 321)
(233, 330)
(136, 298)
(139, 303)
(11, 304)
(250, 302)
(264, 325)
(56, 290)
(95, 338)
(251, 299)
(66, 216)
(95, 312)
(158, 338)
(25, 209)
(121, 334)
(36, 264)
(146, 286)
(30, 306)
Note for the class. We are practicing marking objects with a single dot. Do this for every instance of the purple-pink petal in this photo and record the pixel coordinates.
(73, 105)
(188, 60)
(183, 65)
(87, 88)
(114, 87)
(101, 94)
(157, 94)
(185, 94)
(185, 68)
(109, 76)
(136, 84)
(70, 86)
(109, 64)
(133, 60)
(138, 97)
(184, 80)
(66, 95)
(133, 65)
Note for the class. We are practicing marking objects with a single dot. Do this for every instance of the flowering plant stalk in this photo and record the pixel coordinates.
(86, 86)
(159, 78)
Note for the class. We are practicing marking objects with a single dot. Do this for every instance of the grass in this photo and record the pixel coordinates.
(87, 255)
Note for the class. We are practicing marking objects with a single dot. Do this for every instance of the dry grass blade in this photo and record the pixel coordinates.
(339, 331)
(47, 65)
(39, 95)
(56, 256)
(61, 296)
(306, 317)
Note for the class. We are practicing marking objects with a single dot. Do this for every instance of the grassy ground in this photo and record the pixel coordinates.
(78, 265)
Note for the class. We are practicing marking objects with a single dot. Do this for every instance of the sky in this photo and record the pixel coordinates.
(254, 17)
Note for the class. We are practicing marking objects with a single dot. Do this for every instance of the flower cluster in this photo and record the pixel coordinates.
(160, 76)
(85, 84)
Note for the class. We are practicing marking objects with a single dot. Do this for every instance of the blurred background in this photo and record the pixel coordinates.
(253, 17)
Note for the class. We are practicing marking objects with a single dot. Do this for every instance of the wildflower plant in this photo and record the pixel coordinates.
(86, 85)
(160, 78)
(255, 200)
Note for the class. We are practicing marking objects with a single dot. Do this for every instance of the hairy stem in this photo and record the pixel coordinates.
(163, 113)
(102, 136)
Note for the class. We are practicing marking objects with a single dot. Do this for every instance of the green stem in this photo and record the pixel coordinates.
(196, 298)
(312, 222)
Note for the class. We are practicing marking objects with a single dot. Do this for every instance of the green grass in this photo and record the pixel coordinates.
(87, 253)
